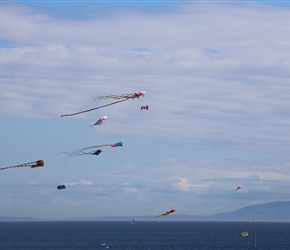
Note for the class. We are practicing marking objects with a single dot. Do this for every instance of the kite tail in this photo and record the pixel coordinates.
(6, 168)
(88, 110)
(124, 96)
(29, 164)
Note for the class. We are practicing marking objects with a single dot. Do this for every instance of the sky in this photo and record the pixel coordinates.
(216, 76)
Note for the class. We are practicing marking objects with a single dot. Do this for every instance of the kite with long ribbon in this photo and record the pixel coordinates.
(166, 213)
(120, 98)
(34, 164)
(87, 151)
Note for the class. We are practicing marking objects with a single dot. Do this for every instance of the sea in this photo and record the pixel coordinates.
(143, 235)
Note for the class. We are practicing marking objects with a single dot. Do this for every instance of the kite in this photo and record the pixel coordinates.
(97, 152)
(239, 187)
(34, 164)
(144, 107)
(118, 144)
(82, 151)
(61, 187)
(166, 213)
(120, 98)
(101, 121)
(244, 234)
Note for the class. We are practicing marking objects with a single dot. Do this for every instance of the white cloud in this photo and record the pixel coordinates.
(205, 80)
(81, 182)
(34, 182)
(182, 184)
(86, 183)
(130, 190)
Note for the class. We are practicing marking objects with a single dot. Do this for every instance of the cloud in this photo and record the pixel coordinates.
(34, 182)
(81, 182)
(232, 95)
(86, 183)
(182, 184)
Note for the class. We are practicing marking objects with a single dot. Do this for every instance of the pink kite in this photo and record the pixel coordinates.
(101, 121)
(239, 187)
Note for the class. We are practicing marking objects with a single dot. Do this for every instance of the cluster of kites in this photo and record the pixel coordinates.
(95, 150)
(92, 150)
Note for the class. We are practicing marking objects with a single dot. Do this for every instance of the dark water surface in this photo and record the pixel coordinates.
(143, 235)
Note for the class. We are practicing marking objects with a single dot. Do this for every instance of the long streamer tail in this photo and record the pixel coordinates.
(33, 164)
(88, 110)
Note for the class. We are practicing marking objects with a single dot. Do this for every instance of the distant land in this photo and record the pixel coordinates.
(268, 212)
(3, 218)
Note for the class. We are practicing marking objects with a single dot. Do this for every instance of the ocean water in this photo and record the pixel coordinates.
(143, 235)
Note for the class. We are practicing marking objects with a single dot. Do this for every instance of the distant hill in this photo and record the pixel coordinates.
(272, 212)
